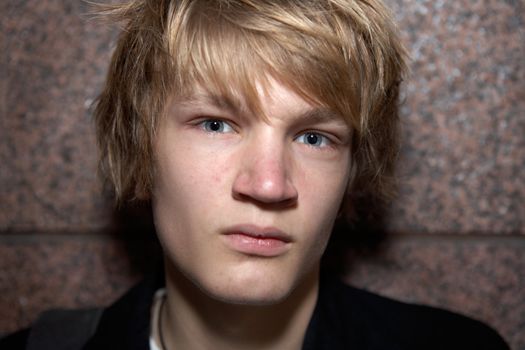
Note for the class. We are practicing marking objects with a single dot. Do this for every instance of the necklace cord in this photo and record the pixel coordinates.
(159, 321)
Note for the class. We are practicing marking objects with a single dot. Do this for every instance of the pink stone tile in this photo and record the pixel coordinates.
(61, 271)
(463, 153)
(463, 119)
(481, 278)
(53, 62)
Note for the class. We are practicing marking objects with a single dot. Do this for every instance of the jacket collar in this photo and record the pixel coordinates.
(126, 324)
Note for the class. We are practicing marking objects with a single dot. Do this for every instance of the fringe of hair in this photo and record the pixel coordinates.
(342, 54)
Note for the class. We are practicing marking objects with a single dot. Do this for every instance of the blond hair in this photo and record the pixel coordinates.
(341, 54)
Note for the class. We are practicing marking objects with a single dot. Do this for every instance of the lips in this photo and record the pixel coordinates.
(257, 241)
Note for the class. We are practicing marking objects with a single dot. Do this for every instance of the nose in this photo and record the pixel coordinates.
(265, 175)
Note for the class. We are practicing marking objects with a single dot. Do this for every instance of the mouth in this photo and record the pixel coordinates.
(257, 241)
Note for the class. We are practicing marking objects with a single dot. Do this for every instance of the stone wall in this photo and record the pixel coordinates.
(455, 236)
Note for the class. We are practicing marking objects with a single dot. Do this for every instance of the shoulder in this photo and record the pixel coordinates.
(15, 341)
(408, 326)
(122, 325)
(56, 329)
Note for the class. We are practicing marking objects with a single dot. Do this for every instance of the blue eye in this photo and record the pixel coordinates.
(313, 139)
(216, 126)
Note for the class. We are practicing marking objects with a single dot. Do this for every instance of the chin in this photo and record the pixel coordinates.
(260, 288)
(256, 289)
(256, 282)
(251, 295)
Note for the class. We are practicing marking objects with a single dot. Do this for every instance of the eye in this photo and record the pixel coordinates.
(314, 139)
(216, 126)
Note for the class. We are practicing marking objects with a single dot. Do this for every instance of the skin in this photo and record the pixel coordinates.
(218, 166)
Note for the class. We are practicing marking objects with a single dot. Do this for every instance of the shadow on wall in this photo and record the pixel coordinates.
(133, 227)
(361, 235)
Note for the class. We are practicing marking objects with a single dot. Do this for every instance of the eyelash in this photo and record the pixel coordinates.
(325, 141)
(203, 124)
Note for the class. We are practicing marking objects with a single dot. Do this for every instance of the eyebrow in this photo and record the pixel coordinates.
(319, 115)
(217, 101)
(313, 115)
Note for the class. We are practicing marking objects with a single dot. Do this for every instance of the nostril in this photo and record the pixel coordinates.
(265, 188)
(287, 203)
(265, 176)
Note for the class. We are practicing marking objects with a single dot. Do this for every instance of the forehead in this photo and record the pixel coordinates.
(228, 49)
(272, 99)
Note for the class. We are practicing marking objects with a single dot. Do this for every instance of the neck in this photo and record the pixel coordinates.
(193, 320)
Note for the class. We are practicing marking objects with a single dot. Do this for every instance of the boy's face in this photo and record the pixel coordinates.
(243, 205)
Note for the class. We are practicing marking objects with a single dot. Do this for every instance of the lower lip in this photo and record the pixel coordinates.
(267, 247)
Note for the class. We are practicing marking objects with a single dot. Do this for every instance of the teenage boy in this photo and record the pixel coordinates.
(246, 124)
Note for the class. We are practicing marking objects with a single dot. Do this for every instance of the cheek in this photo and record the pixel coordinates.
(190, 183)
(186, 195)
(188, 166)
(324, 186)
(323, 192)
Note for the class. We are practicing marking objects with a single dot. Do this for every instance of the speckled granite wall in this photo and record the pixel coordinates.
(464, 118)
(458, 230)
(53, 64)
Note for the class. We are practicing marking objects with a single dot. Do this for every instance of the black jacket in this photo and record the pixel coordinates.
(344, 318)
